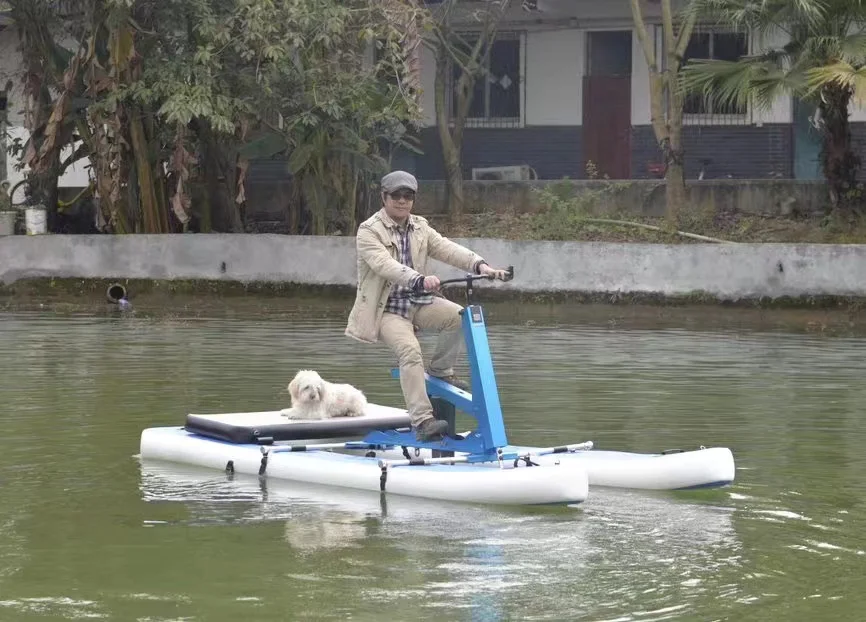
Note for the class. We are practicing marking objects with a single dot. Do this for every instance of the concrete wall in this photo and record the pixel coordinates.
(728, 272)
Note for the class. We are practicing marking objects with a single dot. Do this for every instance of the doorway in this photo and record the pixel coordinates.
(807, 143)
(607, 103)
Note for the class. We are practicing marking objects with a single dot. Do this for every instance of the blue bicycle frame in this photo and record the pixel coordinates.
(486, 442)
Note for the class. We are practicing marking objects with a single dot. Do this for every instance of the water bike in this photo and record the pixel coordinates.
(378, 451)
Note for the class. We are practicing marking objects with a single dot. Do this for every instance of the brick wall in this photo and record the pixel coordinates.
(738, 151)
(553, 151)
(741, 152)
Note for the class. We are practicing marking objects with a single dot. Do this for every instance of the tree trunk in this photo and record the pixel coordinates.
(451, 143)
(152, 219)
(666, 101)
(838, 159)
(220, 170)
(676, 196)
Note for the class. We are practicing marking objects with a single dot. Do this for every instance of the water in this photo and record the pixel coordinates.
(85, 532)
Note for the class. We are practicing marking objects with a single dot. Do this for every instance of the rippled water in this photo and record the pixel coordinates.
(85, 531)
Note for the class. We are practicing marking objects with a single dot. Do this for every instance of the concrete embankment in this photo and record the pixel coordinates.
(721, 272)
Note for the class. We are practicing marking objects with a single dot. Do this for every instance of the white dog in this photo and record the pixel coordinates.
(316, 398)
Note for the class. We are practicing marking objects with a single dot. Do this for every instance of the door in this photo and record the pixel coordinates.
(807, 143)
(607, 103)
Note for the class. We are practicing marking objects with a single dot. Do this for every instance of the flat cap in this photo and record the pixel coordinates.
(399, 179)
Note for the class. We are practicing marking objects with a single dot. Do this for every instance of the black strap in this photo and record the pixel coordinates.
(406, 453)
(264, 464)
(230, 466)
(383, 478)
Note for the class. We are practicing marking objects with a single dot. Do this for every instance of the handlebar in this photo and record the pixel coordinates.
(469, 278)
(478, 277)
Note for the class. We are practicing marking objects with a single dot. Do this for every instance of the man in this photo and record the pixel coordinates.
(395, 296)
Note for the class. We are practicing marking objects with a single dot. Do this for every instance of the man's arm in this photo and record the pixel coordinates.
(452, 253)
(372, 250)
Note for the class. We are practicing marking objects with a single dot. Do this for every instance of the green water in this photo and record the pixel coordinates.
(86, 532)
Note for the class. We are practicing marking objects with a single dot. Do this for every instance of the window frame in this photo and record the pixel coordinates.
(488, 121)
(719, 118)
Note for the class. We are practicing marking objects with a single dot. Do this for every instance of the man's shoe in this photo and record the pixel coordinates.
(431, 430)
(456, 382)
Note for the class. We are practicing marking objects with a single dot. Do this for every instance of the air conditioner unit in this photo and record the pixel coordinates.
(502, 173)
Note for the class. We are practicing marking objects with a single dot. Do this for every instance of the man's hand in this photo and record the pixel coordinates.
(493, 273)
(431, 283)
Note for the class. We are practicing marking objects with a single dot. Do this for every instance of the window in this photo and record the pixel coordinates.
(728, 46)
(497, 95)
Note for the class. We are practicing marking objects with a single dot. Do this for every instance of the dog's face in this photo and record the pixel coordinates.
(307, 387)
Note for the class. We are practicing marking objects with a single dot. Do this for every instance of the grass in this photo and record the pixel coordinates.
(731, 227)
(564, 215)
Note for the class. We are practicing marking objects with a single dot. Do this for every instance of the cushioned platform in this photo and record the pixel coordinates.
(269, 426)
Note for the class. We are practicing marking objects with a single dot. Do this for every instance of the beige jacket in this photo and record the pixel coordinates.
(378, 248)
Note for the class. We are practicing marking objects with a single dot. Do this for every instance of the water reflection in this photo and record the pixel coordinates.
(492, 560)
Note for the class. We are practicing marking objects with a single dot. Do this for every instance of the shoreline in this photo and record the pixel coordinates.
(48, 288)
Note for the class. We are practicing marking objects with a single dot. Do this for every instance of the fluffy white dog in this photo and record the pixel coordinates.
(316, 398)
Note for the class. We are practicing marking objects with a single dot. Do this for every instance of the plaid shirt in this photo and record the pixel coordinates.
(402, 298)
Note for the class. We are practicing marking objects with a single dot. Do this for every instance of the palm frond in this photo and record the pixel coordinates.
(852, 49)
(854, 10)
(758, 15)
(735, 13)
(758, 80)
(762, 17)
(810, 12)
(838, 74)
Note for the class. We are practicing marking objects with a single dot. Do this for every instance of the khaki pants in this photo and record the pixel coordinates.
(398, 333)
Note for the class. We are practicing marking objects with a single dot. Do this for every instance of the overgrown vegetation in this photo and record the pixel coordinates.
(590, 215)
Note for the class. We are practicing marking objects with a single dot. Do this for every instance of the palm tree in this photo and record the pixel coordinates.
(823, 64)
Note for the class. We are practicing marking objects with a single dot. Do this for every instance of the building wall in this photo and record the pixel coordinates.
(759, 146)
(555, 62)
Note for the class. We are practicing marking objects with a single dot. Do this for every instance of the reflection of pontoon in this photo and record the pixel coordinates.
(317, 518)
(480, 466)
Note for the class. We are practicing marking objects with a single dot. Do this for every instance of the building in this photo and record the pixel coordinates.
(569, 83)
